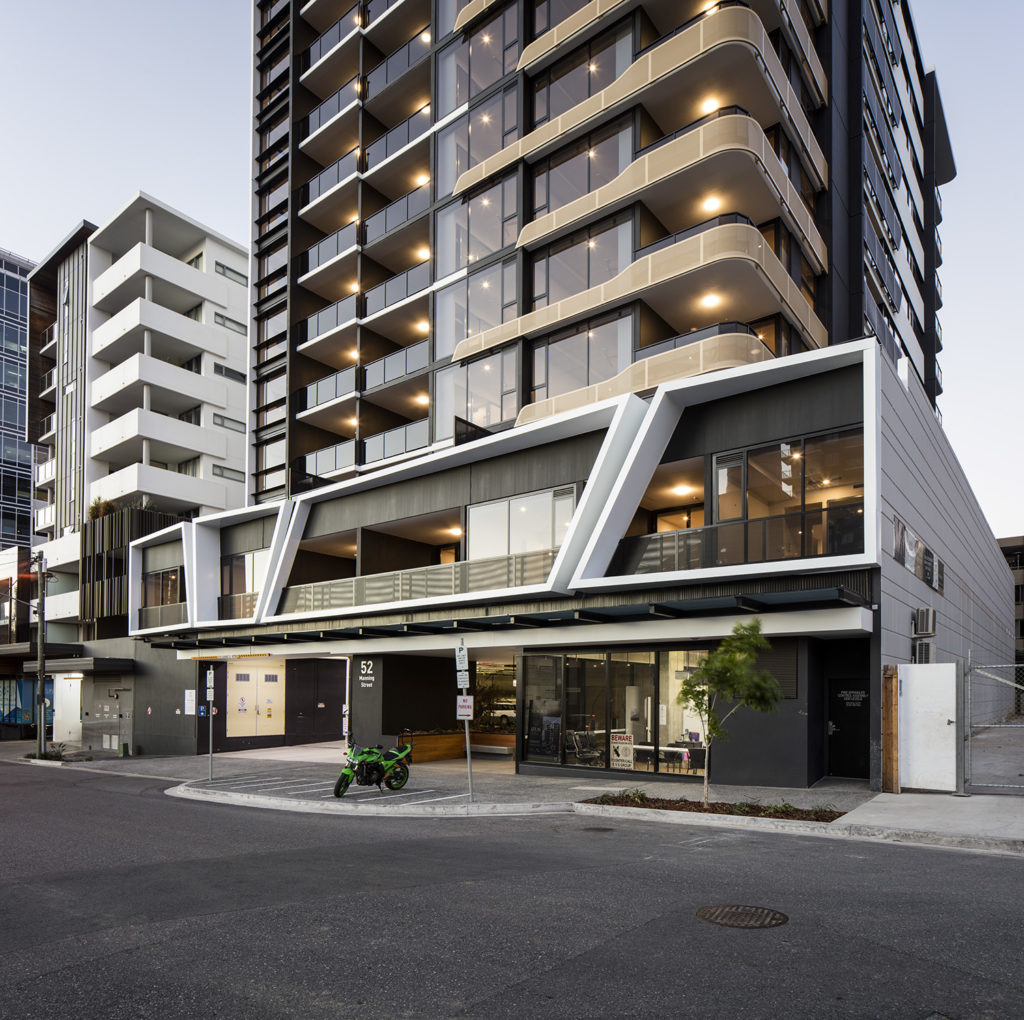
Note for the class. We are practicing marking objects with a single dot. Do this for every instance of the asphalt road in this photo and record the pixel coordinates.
(118, 901)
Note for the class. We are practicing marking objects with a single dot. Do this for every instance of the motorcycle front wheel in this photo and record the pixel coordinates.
(342, 784)
(398, 778)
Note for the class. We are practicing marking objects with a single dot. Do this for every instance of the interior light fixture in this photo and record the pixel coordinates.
(795, 455)
(681, 490)
(711, 300)
(826, 481)
(711, 204)
(454, 531)
(709, 105)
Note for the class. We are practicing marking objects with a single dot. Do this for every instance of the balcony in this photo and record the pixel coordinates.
(174, 337)
(395, 215)
(440, 581)
(120, 441)
(237, 607)
(46, 473)
(334, 387)
(172, 389)
(386, 106)
(334, 54)
(328, 268)
(394, 141)
(48, 341)
(45, 517)
(332, 319)
(938, 291)
(341, 457)
(48, 383)
(396, 366)
(47, 427)
(726, 42)
(938, 206)
(711, 349)
(172, 492)
(837, 531)
(163, 616)
(176, 285)
(398, 288)
(395, 442)
(332, 127)
(330, 196)
(330, 248)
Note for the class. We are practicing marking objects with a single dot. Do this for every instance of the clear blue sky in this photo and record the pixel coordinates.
(107, 97)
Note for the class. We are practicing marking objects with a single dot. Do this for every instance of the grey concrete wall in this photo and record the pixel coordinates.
(924, 484)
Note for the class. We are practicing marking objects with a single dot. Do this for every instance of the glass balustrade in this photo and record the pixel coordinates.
(341, 384)
(400, 211)
(330, 247)
(345, 96)
(332, 316)
(340, 457)
(395, 442)
(376, 8)
(398, 288)
(395, 366)
(163, 616)
(438, 581)
(332, 175)
(343, 27)
(725, 111)
(398, 138)
(237, 607)
(685, 339)
(394, 66)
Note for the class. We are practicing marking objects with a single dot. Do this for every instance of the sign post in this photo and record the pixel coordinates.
(209, 712)
(464, 704)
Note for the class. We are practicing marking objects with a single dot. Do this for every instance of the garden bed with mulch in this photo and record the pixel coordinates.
(748, 808)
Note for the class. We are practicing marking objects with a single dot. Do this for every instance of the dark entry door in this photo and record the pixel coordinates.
(330, 702)
(849, 728)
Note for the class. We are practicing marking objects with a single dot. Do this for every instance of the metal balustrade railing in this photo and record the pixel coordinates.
(437, 581)
(392, 67)
(835, 531)
(398, 137)
(332, 175)
(398, 288)
(398, 212)
(395, 442)
(333, 105)
(340, 384)
(345, 310)
(163, 616)
(342, 28)
(330, 247)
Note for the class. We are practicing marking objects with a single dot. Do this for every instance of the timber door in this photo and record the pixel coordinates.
(848, 728)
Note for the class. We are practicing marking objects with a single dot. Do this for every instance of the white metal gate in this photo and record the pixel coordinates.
(994, 731)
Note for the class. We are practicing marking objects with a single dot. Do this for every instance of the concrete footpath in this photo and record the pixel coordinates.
(302, 779)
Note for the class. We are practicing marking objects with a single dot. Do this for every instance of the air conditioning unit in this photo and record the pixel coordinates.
(924, 622)
(924, 652)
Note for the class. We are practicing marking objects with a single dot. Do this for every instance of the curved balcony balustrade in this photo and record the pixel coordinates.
(726, 42)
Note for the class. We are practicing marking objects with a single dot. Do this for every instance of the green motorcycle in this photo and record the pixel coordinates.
(372, 766)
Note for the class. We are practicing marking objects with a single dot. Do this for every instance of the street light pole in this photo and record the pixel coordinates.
(40, 654)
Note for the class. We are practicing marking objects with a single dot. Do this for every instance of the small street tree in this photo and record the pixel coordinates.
(728, 676)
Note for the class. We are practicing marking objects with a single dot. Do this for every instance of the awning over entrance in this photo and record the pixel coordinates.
(85, 664)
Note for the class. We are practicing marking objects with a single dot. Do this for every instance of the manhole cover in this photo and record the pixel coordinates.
(733, 916)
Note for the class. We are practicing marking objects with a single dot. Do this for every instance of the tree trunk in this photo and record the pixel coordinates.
(707, 770)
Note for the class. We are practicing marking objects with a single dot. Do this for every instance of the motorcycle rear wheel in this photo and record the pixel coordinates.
(342, 784)
(398, 778)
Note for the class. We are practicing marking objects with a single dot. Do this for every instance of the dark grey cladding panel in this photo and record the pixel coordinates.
(542, 467)
(162, 557)
(243, 538)
(389, 503)
(781, 661)
(830, 400)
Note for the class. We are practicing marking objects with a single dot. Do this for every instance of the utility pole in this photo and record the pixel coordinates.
(40, 654)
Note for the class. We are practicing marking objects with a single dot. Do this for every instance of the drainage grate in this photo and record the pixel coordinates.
(733, 916)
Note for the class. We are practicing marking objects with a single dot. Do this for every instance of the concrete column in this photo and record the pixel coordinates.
(145, 452)
(148, 288)
(147, 339)
(148, 237)
(145, 397)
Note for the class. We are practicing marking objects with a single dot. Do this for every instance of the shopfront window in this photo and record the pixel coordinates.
(680, 735)
(542, 707)
(632, 708)
(586, 726)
